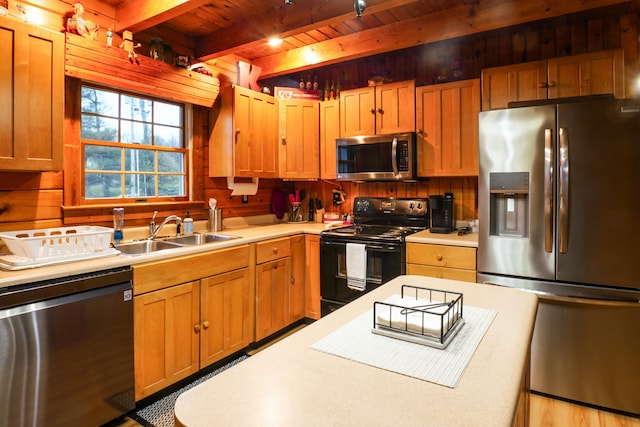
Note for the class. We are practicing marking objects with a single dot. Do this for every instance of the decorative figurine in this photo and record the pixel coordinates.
(128, 45)
(109, 37)
(78, 25)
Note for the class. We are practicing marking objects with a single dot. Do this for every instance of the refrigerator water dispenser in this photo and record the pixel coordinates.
(509, 204)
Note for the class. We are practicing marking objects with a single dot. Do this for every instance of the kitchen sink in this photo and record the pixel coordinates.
(145, 247)
(199, 238)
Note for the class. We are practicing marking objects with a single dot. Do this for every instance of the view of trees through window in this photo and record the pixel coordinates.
(133, 147)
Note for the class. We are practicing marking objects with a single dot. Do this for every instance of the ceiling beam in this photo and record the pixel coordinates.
(285, 21)
(139, 15)
(457, 22)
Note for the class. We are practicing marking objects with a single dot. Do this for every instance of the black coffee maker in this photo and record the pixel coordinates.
(442, 217)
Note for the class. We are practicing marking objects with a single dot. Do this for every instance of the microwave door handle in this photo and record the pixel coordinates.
(394, 156)
(549, 161)
(564, 190)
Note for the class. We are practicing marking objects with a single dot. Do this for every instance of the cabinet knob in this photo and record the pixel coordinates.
(373, 111)
(380, 111)
(237, 131)
(551, 84)
(205, 324)
(439, 257)
(284, 140)
(543, 85)
(292, 280)
(196, 328)
(275, 250)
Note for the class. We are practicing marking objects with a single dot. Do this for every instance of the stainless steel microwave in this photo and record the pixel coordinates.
(377, 158)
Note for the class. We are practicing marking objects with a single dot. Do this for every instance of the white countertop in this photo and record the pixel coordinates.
(452, 239)
(248, 234)
(290, 384)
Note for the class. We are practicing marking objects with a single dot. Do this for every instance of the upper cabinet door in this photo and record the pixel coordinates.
(299, 148)
(329, 132)
(358, 112)
(588, 74)
(510, 83)
(243, 140)
(395, 107)
(31, 97)
(447, 128)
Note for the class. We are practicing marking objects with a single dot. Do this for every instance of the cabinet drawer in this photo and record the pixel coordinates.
(441, 256)
(272, 249)
(442, 272)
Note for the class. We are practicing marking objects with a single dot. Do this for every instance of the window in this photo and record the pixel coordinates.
(133, 147)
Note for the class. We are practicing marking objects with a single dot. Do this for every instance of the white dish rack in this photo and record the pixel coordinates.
(420, 315)
(47, 244)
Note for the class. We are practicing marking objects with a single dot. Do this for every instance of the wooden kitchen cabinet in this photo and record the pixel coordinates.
(299, 145)
(166, 347)
(329, 132)
(312, 276)
(189, 312)
(31, 97)
(383, 109)
(226, 304)
(243, 140)
(577, 75)
(447, 128)
(442, 261)
(280, 284)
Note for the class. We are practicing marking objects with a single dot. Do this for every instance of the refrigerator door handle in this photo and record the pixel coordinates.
(563, 227)
(548, 189)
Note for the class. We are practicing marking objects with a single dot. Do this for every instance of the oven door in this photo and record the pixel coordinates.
(384, 262)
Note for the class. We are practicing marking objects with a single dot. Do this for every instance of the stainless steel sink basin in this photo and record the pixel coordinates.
(145, 247)
(199, 238)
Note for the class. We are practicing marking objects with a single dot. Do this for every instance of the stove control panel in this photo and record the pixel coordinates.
(371, 206)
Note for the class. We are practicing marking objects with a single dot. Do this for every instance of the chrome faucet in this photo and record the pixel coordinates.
(153, 230)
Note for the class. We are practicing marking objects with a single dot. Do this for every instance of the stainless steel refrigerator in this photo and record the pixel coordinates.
(559, 210)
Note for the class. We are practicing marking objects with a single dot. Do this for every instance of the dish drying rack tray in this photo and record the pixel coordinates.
(53, 243)
(424, 316)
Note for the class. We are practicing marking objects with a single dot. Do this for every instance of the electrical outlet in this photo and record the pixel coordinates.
(245, 198)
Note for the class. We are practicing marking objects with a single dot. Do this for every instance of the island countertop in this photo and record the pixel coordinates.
(291, 384)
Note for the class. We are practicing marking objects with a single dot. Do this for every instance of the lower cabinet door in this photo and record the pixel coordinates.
(226, 315)
(272, 280)
(166, 347)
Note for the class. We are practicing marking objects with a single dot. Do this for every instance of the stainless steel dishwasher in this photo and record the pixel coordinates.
(66, 350)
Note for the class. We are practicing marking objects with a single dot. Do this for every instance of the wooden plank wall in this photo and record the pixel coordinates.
(34, 200)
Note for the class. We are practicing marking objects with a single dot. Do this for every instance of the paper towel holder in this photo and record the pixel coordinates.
(242, 188)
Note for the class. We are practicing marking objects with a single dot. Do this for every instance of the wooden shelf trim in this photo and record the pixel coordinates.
(88, 60)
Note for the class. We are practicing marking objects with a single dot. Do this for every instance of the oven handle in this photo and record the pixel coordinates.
(373, 247)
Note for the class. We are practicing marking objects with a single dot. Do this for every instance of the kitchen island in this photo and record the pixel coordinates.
(291, 384)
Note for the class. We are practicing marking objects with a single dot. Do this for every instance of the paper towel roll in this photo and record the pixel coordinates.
(242, 188)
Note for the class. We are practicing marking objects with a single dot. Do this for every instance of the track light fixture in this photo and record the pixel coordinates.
(360, 6)
(288, 1)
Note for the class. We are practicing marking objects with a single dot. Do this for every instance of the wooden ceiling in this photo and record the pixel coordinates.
(322, 32)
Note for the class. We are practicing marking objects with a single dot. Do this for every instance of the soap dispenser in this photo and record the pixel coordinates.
(188, 224)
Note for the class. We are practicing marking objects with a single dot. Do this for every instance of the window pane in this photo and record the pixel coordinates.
(139, 185)
(166, 136)
(167, 114)
(139, 160)
(99, 128)
(135, 108)
(101, 158)
(102, 185)
(98, 101)
(135, 132)
(171, 185)
(170, 162)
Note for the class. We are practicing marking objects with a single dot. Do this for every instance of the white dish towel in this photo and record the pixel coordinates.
(356, 266)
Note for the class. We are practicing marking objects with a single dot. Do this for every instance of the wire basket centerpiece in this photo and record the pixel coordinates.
(421, 315)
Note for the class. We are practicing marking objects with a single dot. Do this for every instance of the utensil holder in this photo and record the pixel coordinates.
(214, 223)
(295, 211)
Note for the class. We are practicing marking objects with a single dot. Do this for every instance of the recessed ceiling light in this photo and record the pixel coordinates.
(276, 41)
